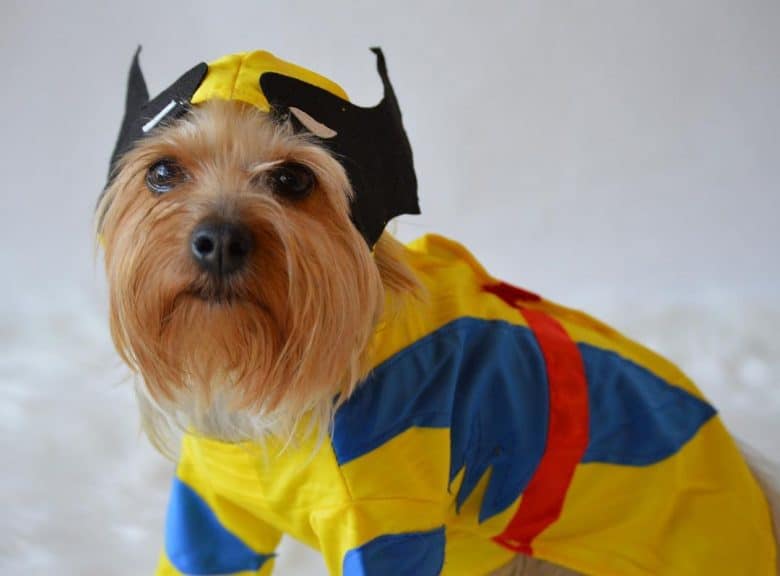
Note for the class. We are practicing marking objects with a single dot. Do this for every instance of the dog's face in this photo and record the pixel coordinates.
(238, 283)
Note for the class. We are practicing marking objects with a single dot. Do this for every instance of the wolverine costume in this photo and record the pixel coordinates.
(493, 422)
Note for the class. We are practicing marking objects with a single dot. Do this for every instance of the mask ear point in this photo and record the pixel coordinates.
(381, 67)
(137, 92)
(137, 97)
(380, 61)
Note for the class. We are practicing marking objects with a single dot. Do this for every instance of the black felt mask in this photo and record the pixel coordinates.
(370, 143)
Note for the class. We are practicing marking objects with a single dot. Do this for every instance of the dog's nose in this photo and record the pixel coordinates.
(221, 247)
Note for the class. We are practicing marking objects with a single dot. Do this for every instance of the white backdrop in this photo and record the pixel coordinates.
(619, 155)
(571, 144)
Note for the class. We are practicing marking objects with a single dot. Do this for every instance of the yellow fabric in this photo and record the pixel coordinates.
(430, 252)
(402, 486)
(236, 77)
(164, 568)
(690, 535)
(196, 470)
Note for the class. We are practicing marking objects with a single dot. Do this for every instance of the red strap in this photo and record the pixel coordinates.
(567, 434)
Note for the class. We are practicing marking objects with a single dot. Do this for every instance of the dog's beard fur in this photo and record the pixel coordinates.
(279, 342)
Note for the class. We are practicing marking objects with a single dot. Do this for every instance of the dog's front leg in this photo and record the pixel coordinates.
(206, 532)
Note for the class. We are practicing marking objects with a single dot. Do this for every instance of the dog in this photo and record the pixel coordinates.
(395, 407)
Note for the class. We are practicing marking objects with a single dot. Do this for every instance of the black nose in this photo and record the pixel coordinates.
(221, 247)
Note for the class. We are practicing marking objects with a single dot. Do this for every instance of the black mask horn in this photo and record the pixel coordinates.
(370, 143)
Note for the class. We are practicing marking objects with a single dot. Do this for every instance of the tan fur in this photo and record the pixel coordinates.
(293, 335)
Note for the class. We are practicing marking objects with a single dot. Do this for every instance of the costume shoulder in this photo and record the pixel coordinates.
(526, 392)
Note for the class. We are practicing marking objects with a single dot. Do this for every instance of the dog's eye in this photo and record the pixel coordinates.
(164, 175)
(291, 180)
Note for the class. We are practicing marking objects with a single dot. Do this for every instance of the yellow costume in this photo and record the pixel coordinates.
(494, 422)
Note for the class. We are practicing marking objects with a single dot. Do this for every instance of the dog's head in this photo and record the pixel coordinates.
(241, 289)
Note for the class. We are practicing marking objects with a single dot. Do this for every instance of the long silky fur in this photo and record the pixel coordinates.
(287, 345)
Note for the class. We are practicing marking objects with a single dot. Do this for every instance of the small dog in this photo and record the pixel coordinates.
(395, 407)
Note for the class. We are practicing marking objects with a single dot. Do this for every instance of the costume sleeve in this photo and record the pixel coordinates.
(382, 538)
(207, 533)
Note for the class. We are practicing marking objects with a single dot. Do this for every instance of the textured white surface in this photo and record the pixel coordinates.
(85, 494)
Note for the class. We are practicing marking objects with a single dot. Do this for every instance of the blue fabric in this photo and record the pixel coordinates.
(485, 380)
(195, 541)
(636, 418)
(412, 554)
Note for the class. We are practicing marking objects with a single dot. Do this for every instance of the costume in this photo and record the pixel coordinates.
(494, 422)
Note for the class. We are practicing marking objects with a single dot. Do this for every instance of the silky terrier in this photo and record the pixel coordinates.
(395, 407)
